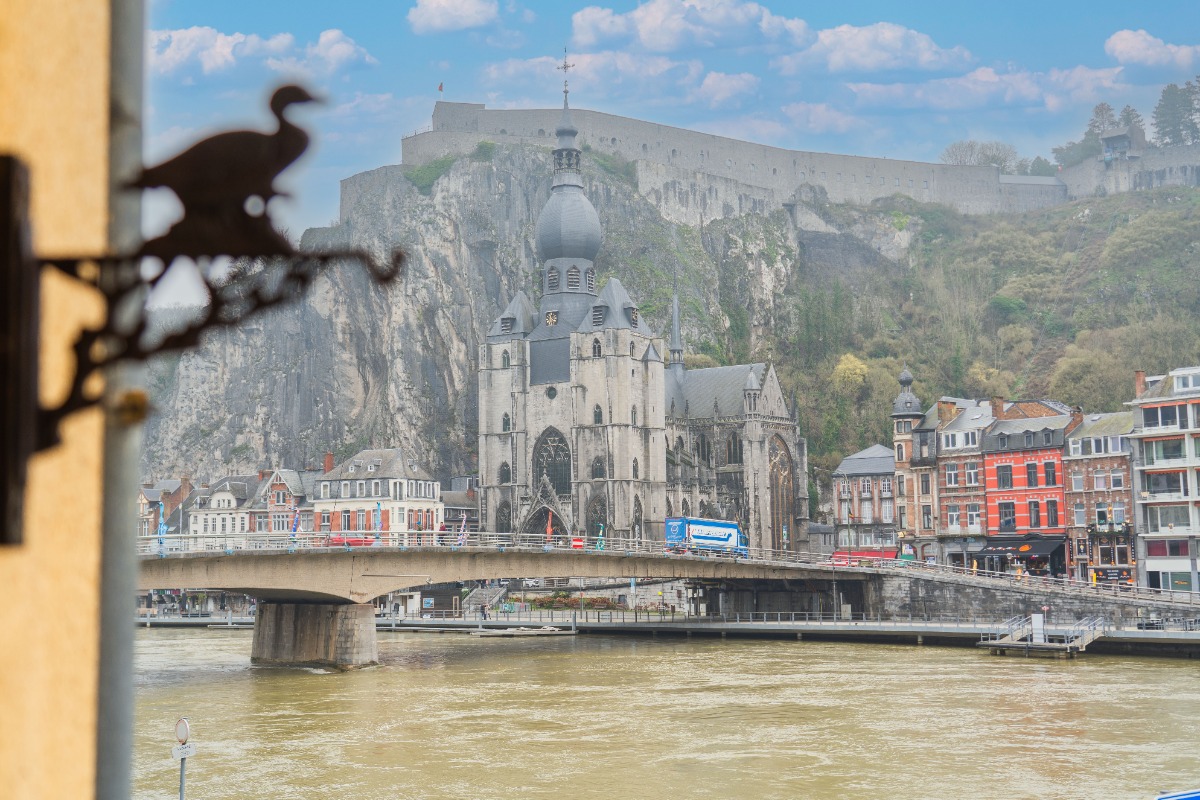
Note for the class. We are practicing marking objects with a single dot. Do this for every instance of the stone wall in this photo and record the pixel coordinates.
(1150, 169)
(458, 127)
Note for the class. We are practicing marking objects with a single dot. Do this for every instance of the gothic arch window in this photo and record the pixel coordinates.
(783, 493)
(596, 350)
(597, 467)
(552, 458)
(505, 473)
(687, 508)
(573, 278)
(597, 515)
(504, 518)
(670, 508)
(635, 468)
(705, 511)
(631, 349)
(504, 360)
(506, 423)
(590, 277)
(733, 450)
(597, 415)
(635, 527)
(704, 450)
(633, 415)
(900, 452)
(552, 280)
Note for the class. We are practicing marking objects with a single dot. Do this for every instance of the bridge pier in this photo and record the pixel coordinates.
(315, 634)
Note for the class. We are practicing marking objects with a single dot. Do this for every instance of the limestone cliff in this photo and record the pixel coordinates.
(352, 365)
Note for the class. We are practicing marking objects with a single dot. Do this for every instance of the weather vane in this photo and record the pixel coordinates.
(564, 67)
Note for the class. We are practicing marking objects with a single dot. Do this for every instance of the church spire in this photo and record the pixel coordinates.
(566, 155)
(676, 338)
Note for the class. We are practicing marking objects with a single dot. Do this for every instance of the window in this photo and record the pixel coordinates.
(597, 467)
(1075, 447)
(1100, 480)
(1047, 437)
(591, 286)
(552, 280)
(1050, 471)
(597, 315)
(1002, 441)
(506, 325)
(505, 423)
(374, 488)
(360, 520)
(924, 483)
(1080, 514)
(899, 452)
(733, 450)
(952, 520)
(1118, 513)
(1004, 476)
(597, 415)
(864, 486)
(949, 440)
(345, 489)
(1166, 547)
(1051, 513)
(505, 362)
(361, 489)
(1076, 482)
(631, 350)
(635, 468)
(902, 486)
(973, 516)
(505, 473)
(596, 351)
(972, 473)
(552, 459)
(904, 426)
(927, 517)
(1117, 479)
(886, 510)
(970, 438)
(325, 523)
(633, 415)
(1031, 475)
(345, 520)
(1162, 417)
(280, 498)
(885, 485)
(1029, 440)
(952, 474)
(325, 490)
(866, 512)
(573, 279)
(1008, 516)
(1035, 514)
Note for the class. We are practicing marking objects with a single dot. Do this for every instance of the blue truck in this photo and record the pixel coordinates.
(715, 536)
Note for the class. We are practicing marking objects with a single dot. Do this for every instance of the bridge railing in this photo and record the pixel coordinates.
(251, 542)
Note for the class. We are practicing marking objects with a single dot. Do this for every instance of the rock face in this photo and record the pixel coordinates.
(352, 365)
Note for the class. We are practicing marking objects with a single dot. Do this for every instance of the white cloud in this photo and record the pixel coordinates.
(718, 88)
(987, 87)
(820, 118)
(871, 48)
(1139, 47)
(439, 16)
(668, 25)
(167, 51)
(332, 51)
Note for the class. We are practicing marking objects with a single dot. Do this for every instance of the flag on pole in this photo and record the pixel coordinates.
(439, 88)
(296, 519)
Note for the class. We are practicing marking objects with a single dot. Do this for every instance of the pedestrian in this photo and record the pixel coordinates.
(483, 611)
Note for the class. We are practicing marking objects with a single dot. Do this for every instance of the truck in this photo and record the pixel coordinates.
(715, 536)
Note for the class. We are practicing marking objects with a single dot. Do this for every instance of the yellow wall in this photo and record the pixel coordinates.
(54, 88)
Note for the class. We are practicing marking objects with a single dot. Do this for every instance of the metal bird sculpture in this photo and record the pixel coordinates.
(217, 181)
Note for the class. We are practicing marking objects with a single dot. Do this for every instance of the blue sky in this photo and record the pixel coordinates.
(900, 80)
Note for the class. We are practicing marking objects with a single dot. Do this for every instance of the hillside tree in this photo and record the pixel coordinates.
(1175, 117)
(1131, 118)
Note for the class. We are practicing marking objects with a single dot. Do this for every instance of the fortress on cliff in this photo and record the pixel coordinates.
(756, 177)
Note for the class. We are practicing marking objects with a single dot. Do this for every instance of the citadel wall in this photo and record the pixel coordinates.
(694, 158)
(1151, 168)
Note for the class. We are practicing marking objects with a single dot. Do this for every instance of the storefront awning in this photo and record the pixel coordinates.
(1019, 547)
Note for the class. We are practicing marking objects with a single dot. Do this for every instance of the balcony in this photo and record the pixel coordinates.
(1163, 497)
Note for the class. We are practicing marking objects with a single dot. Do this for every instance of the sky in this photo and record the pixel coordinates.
(886, 79)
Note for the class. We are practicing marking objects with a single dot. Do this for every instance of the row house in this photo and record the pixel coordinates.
(914, 447)
(161, 504)
(1166, 437)
(379, 494)
(866, 503)
(225, 508)
(1023, 471)
(962, 507)
(1099, 495)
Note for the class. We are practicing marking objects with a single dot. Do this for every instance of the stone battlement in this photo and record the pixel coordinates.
(458, 127)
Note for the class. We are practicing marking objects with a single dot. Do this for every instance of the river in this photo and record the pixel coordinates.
(454, 716)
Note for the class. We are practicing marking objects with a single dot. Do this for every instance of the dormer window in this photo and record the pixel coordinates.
(552, 280)
(597, 315)
(633, 317)
(551, 318)
(506, 325)
(573, 278)
(370, 467)
(591, 280)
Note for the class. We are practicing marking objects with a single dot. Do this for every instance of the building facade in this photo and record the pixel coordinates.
(1099, 496)
(865, 484)
(962, 491)
(1166, 438)
(378, 494)
(585, 429)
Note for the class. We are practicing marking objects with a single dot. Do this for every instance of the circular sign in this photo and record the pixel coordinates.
(1025, 548)
(182, 730)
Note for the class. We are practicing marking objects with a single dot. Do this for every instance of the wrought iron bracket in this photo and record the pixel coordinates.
(224, 183)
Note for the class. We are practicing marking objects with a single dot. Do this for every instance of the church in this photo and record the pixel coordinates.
(587, 430)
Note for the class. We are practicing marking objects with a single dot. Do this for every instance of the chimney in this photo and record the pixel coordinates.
(998, 407)
(1139, 383)
(946, 411)
(328, 461)
(470, 492)
(147, 485)
(1076, 419)
(262, 473)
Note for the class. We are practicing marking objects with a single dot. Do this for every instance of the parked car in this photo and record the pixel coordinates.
(353, 540)
(532, 583)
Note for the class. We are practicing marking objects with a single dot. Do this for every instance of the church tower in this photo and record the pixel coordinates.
(571, 394)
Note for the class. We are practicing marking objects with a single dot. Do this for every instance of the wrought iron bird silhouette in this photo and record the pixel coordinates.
(215, 181)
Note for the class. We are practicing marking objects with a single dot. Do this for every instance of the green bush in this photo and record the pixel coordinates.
(426, 175)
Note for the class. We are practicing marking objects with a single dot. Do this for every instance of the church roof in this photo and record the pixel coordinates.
(717, 391)
(617, 305)
(521, 311)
